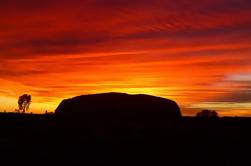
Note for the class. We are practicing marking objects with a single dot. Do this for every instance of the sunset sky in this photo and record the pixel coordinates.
(196, 52)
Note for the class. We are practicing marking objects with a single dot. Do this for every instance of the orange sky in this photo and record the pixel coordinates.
(196, 52)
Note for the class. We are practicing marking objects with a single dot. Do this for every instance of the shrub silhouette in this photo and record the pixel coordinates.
(207, 114)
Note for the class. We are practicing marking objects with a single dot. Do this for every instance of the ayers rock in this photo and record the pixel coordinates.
(117, 108)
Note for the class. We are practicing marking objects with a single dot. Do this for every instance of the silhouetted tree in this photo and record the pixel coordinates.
(24, 103)
(207, 114)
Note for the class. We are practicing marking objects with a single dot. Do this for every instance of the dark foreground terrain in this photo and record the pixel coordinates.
(191, 141)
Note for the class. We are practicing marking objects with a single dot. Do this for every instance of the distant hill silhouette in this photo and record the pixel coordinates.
(118, 108)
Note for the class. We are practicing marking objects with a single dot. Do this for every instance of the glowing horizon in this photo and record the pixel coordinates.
(197, 53)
